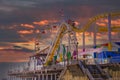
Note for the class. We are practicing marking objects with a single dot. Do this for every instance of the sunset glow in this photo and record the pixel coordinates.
(21, 23)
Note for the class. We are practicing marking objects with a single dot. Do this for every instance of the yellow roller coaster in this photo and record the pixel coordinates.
(93, 19)
(65, 26)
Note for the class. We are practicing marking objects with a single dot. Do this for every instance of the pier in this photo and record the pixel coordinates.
(45, 65)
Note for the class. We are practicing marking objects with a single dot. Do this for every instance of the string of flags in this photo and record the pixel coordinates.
(63, 54)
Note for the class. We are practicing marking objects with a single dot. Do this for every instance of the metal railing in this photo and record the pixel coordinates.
(85, 70)
(102, 71)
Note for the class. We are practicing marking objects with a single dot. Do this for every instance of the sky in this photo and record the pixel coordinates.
(22, 20)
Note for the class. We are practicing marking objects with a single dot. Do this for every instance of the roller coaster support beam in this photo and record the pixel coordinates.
(109, 32)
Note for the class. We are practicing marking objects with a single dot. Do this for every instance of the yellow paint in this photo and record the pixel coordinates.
(109, 46)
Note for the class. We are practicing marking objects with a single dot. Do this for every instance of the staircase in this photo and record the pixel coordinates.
(76, 73)
(58, 75)
(94, 72)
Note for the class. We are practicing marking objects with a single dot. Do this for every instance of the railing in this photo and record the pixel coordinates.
(101, 71)
(62, 73)
(101, 60)
(85, 70)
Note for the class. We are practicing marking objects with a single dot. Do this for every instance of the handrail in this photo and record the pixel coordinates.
(85, 70)
(101, 71)
(93, 19)
(62, 73)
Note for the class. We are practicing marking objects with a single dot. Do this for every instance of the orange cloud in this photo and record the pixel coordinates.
(37, 31)
(27, 25)
(25, 32)
(14, 56)
(103, 22)
(44, 22)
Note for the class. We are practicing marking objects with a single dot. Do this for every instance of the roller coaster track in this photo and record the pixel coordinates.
(113, 29)
(93, 19)
(56, 43)
(63, 28)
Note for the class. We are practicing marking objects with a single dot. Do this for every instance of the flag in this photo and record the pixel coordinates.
(64, 50)
(110, 46)
(61, 53)
(83, 49)
(97, 46)
(54, 26)
(58, 50)
(106, 44)
(69, 55)
(55, 58)
(37, 43)
(61, 57)
(74, 54)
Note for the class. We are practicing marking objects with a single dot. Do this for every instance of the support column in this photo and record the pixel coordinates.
(42, 76)
(109, 33)
(94, 43)
(83, 36)
(32, 78)
(25, 78)
(51, 77)
(38, 77)
(20, 78)
(13, 78)
(9, 78)
(47, 77)
(55, 77)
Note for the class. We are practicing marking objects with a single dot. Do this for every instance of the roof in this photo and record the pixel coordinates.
(41, 53)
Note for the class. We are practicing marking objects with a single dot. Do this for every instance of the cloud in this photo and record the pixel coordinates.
(27, 25)
(45, 22)
(19, 3)
(22, 20)
(15, 53)
(14, 56)
(7, 8)
(25, 32)
(10, 36)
